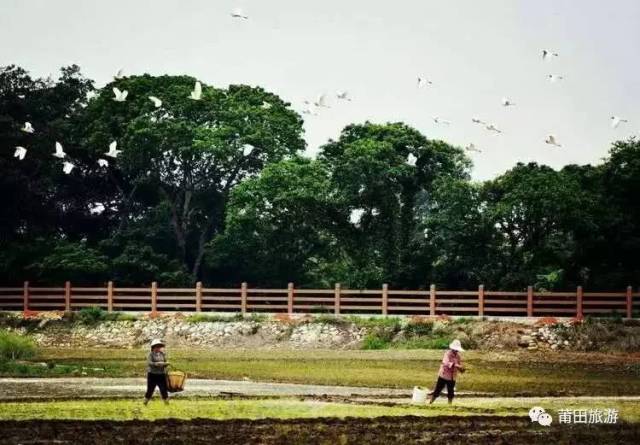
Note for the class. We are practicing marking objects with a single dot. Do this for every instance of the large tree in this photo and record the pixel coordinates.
(380, 173)
(460, 242)
(279, 227)
(185, 156)
(537, 211)
(38, 200)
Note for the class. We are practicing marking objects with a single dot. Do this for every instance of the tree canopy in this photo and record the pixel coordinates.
(217, 190)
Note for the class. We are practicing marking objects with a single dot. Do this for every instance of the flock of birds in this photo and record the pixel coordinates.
(311, 107)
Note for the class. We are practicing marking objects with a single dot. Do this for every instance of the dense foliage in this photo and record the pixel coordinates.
(216, 190)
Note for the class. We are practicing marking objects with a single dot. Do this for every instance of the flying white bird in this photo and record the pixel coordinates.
(439, 120)
(96, 209)
(103, 162)
(475, 120)
(120, 96)
(156, 102)
(615, 121)
(20, 153)
(67, 167)
(59, 153)
(506, 102)
(553, 78)
(266, 105)
(546, 54)
(422, 82)
(119, 74)
(196, 94)
(21, 96)
(27, 128)
(492, 127)
(112, 150)
(411, 159)
(356, 215)
(90, 95)
(247, 149)
(343, 95)
(551, 140)
(472, 147)
(321, 101)
(239, 14)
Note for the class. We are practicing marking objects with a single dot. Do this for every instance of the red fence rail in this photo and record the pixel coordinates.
(384, 301)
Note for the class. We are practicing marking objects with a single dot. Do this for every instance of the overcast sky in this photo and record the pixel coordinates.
(474, 51)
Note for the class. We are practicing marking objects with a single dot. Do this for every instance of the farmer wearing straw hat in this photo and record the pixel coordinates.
(156, 371)
(451, 364)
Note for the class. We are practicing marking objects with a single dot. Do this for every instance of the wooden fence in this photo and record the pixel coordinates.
(383, 301)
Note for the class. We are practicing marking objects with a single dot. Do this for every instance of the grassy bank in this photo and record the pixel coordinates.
(629, 410)
(500, 373)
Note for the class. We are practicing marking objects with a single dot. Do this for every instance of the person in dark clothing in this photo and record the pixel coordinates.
(157, 372)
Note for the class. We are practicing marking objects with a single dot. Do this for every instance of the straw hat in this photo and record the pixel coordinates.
(156, 342)
(456, 346)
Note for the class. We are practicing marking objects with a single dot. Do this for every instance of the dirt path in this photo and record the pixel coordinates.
(53, 388)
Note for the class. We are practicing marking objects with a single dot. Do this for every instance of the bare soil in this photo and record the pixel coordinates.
(381, 430)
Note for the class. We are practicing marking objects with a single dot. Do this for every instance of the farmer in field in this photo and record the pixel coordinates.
(157, 371)
(451, 364)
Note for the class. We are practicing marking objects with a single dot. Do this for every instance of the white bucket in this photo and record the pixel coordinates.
(419, 395)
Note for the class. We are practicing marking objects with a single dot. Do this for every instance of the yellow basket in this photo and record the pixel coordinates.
(176, 381)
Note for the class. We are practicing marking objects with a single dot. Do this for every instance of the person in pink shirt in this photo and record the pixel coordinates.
(451, 364)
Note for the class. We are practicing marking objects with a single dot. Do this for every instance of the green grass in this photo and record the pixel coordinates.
(127, 409)
(53, 369)
(374, 341)
(423, 343)
(373, 322)
(199, 318)
(15, 346)
(500, 373)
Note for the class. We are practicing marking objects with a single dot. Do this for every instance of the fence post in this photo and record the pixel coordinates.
(385, 299)
(25, 296)
(529, 301)
(199, 296)
(154, 298)
(579, 302)
(481, 300)
(243, 299)
(67, 296)
(432, 300)
(629, 302)
(336, 299)
(110, 296)
(290, 299)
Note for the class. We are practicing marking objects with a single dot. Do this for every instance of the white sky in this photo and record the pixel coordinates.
(474, 51)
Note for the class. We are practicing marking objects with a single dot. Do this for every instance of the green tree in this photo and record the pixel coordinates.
(187, 154)
(536, 211)
(460, 241)
(72, 261)
(379, 173)
(609, 251)
(278, 226)
(37, 200)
